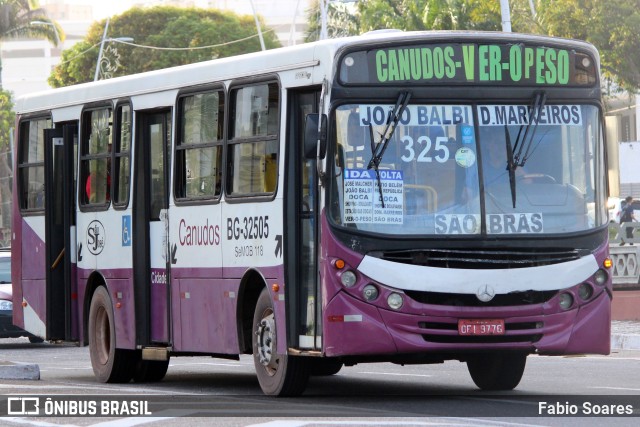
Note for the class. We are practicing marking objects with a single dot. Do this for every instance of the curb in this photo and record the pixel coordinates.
(625, 342)
(19, 371)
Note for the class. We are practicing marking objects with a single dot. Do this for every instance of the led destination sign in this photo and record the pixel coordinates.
(469, 63)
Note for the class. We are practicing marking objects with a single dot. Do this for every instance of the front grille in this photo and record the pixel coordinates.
(479, 259)
(468, 300)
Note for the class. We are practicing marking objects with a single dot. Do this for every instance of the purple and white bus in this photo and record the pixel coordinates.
(393, 197)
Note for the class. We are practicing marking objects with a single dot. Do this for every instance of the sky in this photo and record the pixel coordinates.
(101, 8)
(105, 8)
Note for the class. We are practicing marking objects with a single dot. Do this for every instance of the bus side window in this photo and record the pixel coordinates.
(122, 156)
(31, 163)
(199, 148)
(252, 160)
(95, 157)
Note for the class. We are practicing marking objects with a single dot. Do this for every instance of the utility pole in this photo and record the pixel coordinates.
(257, 25)
(506, 16)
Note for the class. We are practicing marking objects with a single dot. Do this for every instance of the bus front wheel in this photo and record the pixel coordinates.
(278, 374)
(495, 371)
(110, 364)
(324, 367)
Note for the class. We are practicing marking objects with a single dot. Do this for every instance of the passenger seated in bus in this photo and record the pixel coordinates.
(88, 189)
(93, 194)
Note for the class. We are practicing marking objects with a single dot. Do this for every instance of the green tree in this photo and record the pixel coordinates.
(7, 120)
(341, 21)
(613, 26)
(166, 32)
(415, 15)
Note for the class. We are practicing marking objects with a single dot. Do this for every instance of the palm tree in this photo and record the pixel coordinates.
(18, 18)
(25, 18)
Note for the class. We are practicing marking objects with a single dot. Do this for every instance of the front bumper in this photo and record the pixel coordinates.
(533, 329)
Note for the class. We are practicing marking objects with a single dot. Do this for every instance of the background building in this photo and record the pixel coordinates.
(623, 128)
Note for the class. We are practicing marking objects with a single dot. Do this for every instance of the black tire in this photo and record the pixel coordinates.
(278, 374)
(148, 371)
(496, 371)
(110, 364)
(35, 340)
(324, 367)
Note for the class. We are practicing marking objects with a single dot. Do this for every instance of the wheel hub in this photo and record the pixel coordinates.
(266, 342)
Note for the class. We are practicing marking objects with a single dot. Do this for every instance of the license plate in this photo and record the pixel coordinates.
(481, 327)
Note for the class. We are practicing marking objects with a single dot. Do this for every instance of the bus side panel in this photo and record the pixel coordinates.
(33, 277)
(121, 291)
(120, 287)
(105, 255)
(206, 309)
(253, 239)
(273, 278)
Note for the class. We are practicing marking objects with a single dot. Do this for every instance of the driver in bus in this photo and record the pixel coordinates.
(494, 156)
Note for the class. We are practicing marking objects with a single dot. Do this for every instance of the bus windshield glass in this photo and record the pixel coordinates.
(469, 169)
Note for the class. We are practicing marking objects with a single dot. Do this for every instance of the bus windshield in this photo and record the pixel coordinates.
(446, 169)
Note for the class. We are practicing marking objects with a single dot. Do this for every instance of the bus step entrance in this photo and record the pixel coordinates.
(155, 353)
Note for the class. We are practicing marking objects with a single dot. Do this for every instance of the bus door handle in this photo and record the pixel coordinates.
(58, 259)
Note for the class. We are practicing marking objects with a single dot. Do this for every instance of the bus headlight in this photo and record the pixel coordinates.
(6, 305)
(394, 301)
(585, 291)
(601, 277)
(566, 301)
(348, 279)
(370, 292)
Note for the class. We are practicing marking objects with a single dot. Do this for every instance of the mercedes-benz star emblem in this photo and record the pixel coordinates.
(485, 293)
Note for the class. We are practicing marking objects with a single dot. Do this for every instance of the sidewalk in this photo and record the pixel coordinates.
(625, 335)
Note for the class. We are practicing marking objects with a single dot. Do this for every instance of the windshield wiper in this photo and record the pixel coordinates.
(378, 149)
(518, 154)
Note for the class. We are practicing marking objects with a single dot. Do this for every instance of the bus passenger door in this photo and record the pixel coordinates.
(150, 226)
(61, 315)
(301, 241)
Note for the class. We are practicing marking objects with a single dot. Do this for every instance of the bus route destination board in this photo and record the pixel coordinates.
(469, 63)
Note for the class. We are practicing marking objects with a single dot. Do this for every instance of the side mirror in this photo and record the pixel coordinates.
(315, 136)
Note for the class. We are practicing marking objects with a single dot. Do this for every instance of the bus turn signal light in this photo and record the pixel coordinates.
(607, 263)
(339, 264)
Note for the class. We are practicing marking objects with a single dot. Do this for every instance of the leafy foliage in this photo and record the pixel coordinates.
(167, 31)
(613, 26)
(340, 21)
(7, 117)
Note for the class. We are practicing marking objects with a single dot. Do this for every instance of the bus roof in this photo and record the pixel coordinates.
(254, 64)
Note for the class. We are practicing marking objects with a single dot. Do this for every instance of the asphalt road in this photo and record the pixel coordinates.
(206, 391)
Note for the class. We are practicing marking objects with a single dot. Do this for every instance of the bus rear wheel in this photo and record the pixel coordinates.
(110, 364)
(278, 374)
(149, 371)
(496, 371)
